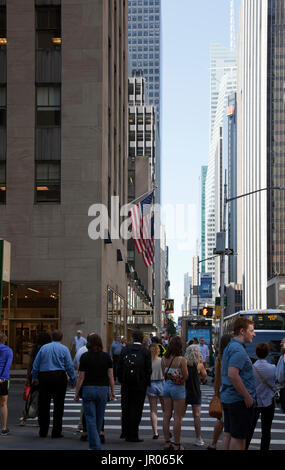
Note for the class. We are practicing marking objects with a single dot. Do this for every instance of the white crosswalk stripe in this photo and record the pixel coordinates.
(113, 418)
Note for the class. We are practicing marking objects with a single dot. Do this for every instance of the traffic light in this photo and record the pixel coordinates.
(207, 312)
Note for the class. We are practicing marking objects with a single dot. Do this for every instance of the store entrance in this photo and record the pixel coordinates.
(23, 334)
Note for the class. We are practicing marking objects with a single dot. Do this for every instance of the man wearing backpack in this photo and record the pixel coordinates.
(134, 373)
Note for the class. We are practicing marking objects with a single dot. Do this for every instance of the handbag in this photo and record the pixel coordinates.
(215, 408)
(26, 392)
(32, 404)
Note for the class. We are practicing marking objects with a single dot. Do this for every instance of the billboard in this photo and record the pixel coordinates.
(206, 286)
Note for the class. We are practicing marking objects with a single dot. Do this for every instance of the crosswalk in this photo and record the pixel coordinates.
(113, 419)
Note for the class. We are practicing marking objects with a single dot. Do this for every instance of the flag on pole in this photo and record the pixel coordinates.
(143, 228)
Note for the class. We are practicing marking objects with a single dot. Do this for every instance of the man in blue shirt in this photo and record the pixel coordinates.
(6, 358)
(115, 351)
(49, 370)
(238, 387)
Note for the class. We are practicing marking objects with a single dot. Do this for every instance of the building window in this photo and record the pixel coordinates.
(48, 106)
(48, 26)
(47, 181)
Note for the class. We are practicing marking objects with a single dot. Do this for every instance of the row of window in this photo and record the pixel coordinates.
(48, 108)
(145, 40)
(146, 33)
(3, 104)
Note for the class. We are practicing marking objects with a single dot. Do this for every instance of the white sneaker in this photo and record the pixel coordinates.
(199, 442)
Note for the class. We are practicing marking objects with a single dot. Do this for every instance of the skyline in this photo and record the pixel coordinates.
(186, 93)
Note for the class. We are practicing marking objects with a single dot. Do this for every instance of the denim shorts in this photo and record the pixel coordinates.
(174, 391)
(155, 389)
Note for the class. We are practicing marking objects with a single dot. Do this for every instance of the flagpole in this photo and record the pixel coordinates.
(145, 194)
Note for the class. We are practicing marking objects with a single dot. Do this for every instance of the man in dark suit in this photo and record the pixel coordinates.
(134, 373)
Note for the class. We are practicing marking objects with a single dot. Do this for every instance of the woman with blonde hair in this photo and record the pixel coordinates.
(193, 392)
(154, 391)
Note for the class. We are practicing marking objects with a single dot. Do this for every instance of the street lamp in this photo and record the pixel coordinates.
(226, 252)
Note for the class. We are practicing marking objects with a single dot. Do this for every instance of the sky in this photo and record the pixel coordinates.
(188, 28)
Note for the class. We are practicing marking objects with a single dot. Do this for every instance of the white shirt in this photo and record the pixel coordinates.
(78, 355)
(79, 342)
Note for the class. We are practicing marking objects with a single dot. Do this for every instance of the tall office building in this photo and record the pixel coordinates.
(144, 46)
(187, 293)
(261, 135)
(63, 112)
(222, 84)
(144, 58)
(203, 220)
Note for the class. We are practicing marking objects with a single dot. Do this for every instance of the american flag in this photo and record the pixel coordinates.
(143, 228)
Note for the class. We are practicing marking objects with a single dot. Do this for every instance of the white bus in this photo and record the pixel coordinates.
(269, 327)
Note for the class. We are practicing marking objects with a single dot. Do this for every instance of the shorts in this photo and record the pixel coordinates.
(155, 389)
(174, 391)
(4, 387)
(237, 419)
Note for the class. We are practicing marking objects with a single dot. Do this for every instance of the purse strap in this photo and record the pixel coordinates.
(263, 379)
(169, 365)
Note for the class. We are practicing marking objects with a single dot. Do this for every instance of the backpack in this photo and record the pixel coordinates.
(132, 365)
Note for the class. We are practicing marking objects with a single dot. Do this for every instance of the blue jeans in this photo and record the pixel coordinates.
(94, 403)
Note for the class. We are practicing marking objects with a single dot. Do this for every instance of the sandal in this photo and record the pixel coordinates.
(177, 446)
(168, 445)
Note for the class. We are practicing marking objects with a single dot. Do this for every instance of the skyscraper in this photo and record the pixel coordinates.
(144, 58)
(222, 84)
(261, 151)
(144, 45)
(203, 221)
(63, 109)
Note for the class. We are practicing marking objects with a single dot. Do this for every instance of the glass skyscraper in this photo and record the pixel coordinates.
(144, 46)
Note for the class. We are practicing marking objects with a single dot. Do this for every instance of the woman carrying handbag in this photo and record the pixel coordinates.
(219, 426)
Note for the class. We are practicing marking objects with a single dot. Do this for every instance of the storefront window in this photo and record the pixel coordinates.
(29, 308)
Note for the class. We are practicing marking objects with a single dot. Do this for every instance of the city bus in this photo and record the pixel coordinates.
(269, 327)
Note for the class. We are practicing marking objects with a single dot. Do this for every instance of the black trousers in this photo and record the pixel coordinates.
(52, 385)
(267, 415)
(132, 403)
(115, 365)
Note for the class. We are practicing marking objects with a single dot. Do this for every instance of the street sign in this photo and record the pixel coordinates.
(141, 312)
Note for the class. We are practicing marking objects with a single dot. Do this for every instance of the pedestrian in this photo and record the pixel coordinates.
(174, 369)
(219, 426)
(49, 370)
(154, 391)
(43, 338)
(205, 354)
(95, 378)
(196, 370)
(115, 351)
(265, 382)
(238, 386)
(280, 375)
(162, 349)
(134, 373)
(149, 341)
(6, 358)
(78, 342)
(195, 340)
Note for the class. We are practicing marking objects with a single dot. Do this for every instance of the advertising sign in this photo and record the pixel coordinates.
(206, 286)
(169, 306)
